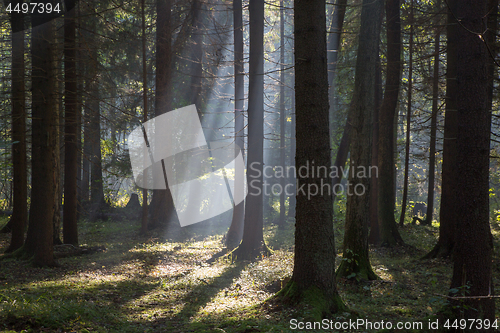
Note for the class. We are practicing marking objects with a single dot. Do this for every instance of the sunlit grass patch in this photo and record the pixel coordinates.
(147, 284)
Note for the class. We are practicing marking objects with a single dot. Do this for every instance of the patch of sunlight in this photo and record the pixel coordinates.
(383, 272)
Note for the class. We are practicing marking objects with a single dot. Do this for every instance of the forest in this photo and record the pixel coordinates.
(249, 166)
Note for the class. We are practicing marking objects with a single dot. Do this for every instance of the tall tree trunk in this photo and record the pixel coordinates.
(39, 241)
(79, 109)
(389, 234)
(449, 204)
(356, 262)
(314, 264)
(293, 198)
(334, 38)
(235, 232)
(281, 223)
(333, 47)
(408, 120)
(374, 236)
(162, 203)
(56, 222)
(252, 244)
(87, 151)
(197, 66)
(19, 217)
(435, 100)
(70, 228)
(96, 181)
(144, 221)
(472, 269)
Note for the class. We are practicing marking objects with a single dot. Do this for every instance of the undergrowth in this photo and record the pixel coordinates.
(152, 283)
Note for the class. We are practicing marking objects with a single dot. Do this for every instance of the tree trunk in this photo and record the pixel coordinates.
(449, 204)
(435, 100)
(144, 220)
(252, 244)
(39, 241)
(162, 203)
(355, 262)
(235, 232)
(59, 156)
(389, 234)
(333, 47)
(313, 279)
(472, 270)
(19, 216)
(334, 38)
(87, 152)
(281, 223)
(70, 228)
(96, 181)
(408, 120)
(374, 236)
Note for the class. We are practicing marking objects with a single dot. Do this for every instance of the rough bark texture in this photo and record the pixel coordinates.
(389, 234)
(472, 270)
(39, 241)
(19, 217)
(252, 244)
(313, 280)
(235, 232)
(448, 210)
(70, 229)
(355, 260)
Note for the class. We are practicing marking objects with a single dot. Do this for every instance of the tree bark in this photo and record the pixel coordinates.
(235, 232)
(374, 236)
(313, 278)
(39, 241)
(389, 234)
(408, 120)
(449, 205)
(19, 216)
(472, 270)
(333, 49)
(70, 228)
(281, 223)
(355, 260)
(252, 244)
(162, 204)
(432, 150)
(96, 182)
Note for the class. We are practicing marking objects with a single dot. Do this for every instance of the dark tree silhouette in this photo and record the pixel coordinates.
(70, 229)
(472, 269)
(313, 276)
(389, 234)
(19, 217)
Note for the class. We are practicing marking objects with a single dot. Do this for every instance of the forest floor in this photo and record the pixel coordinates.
(152, 284)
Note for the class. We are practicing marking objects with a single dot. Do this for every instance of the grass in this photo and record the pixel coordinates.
(152, 284)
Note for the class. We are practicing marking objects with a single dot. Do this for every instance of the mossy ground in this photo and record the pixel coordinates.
(152, 284)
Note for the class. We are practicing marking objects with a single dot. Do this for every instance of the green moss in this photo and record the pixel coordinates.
(312, 304)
